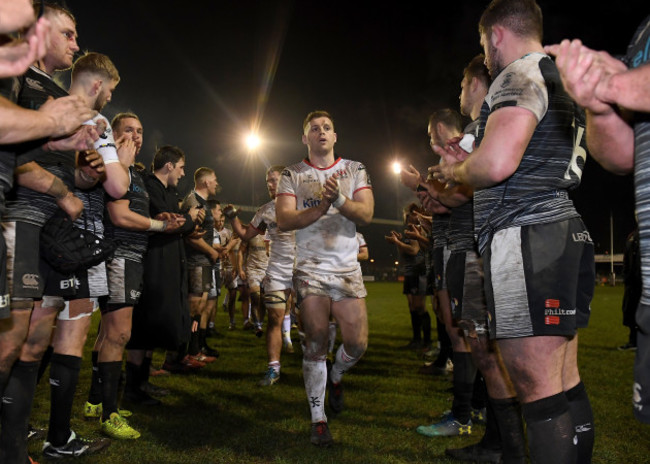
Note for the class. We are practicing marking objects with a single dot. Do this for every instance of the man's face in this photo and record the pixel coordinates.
(105, 94)
(177, 172)
(434, 137)
(132, 128)
(216, 214)
(465, 99)
(320, 136)
(220, 222)
(211, 184)
(63, 42)
(493, 59)
(272, 180)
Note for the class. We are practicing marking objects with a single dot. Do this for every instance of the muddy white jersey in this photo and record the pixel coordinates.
(256, 258)
(329, 244)
(282, 244)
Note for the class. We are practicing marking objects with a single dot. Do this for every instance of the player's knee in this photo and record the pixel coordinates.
(357, 349)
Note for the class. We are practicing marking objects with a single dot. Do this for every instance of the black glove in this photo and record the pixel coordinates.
(230, 212)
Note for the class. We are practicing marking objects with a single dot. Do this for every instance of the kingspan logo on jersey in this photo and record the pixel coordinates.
(310, 202)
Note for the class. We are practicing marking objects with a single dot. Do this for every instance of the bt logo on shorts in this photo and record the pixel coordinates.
(72, 282)
(30, 280)
(581, 236)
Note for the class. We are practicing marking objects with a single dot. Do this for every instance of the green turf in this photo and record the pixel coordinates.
(220, 415)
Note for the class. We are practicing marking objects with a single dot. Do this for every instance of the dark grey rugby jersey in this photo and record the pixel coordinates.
(26, 205)
(132, 244)
(8, 89)
(638, 54)
(439, 229)
(461, 223)
(537, 193)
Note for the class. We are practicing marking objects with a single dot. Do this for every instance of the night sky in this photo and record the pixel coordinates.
(202, 74)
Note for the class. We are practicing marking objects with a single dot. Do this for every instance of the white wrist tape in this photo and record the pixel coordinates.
(157, 226)
(339, 201)
(105, 144)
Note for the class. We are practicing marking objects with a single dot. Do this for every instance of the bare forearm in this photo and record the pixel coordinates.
(34, 177)
(628, 89)
(357, 211)
(610, 140)
(299, 219)
(21, 125)
(117, 180)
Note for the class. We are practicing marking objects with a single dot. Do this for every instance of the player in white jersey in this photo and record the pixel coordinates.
(277, 284)
(323, 198)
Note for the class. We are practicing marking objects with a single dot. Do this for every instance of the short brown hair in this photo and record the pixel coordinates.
(201, 174)
(50, 8)
(476, 68)
(117, 119)
(275, 168)
(95, 63)
(316, 114)
(447, 116)
(166, 154)
(523, 17)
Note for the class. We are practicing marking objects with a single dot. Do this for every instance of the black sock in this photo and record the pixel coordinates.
(415, 326)
(425, 321)
(479, 395)
(193, 348)
(550, 430)
(145, 369)
(95, 393)
(133, 378)
(464, 373)
(202, 339)
(45, 362)
(583, 421)
(16, 408)
(445, 345)
(64, 375)
(110, 374)
(491, 438)
(507, 415)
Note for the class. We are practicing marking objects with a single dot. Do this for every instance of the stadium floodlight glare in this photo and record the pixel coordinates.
(252, 141)
(397, 167)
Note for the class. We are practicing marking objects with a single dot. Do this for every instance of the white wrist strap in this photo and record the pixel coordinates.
(339, 201)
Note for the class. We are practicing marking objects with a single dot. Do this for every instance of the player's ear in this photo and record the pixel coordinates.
(304, 139)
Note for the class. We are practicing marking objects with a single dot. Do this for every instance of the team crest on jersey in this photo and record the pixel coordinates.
(34, 84)
(507, 80)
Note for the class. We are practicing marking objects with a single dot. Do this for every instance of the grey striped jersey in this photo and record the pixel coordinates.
(461, 222)
(537, 192)
(638, 54)
(132, 244)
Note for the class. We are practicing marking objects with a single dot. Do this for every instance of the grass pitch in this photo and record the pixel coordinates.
(220, 415)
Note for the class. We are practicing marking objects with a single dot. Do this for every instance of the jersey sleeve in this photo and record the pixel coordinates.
(286, 185)
(520, 84)
(361, 179)
(189, 202)
(361, 240)
(258, 221)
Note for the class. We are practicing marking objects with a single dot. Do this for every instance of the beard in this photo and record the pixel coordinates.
(494, 64)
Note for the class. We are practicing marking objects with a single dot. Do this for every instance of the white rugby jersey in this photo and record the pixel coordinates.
(329, 244)
(256, 257)
(282, 244)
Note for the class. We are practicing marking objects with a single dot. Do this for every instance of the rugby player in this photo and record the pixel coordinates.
(279, 272)
(323, 198)
(529, 153)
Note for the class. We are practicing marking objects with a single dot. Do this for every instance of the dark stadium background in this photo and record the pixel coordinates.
(202, 74)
